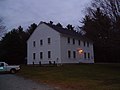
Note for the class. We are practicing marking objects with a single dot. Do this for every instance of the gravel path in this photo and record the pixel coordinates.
(13, 82)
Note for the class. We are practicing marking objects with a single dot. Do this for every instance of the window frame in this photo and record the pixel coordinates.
(34, 56)
(1, 64)
(85, 55)
(69, 54)
(84, 42)
(49, 40)
(41, 55)
(73, 41)
(41, 42)
(74, 54)
(79, 42)
(49, 54)
(88, 44)
(34, 44)
(68, 40)
(88, 55)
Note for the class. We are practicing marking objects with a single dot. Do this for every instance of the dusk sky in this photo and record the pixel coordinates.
(26, 12)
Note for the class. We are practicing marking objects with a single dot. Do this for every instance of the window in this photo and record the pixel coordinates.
(74, 54)
(1, 64)
(69, 54)
(84, 43)
(34, 56)
(84, 55)
(88, 55)
(49, 40)
(78, 42)
(49, 54)
(68, 40)
(41, 55)
(33, 43)
(88, 44)
(73, 41)
(41, 42)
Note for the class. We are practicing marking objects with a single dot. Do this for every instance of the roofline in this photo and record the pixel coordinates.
(51, 26)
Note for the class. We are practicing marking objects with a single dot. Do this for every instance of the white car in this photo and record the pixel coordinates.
(4, 67)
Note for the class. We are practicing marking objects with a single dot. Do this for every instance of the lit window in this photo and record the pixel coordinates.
(80, 51)
(69, 54)
(49, 54)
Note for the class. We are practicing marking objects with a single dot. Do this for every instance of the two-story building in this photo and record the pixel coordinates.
(52, 44)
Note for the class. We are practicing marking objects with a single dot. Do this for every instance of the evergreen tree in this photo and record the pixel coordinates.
(99, 28)
(70, 27)
(13, 47)
(59, 25)
(31, 29)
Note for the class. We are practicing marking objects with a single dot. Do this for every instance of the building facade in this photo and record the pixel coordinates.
(52, 44)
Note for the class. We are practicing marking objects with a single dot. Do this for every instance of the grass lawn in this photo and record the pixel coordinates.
(76, 77)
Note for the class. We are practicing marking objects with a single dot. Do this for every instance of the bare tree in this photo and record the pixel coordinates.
(102, 25)
(109, 7)
(2, 28)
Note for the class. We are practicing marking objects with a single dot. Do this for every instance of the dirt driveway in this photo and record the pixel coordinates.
(13, 82)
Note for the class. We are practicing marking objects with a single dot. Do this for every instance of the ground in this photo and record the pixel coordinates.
(13, 82)
(76, 77)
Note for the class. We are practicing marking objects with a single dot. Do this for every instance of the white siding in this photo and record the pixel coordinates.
(65, 46)
(58, 46)
(43, 32)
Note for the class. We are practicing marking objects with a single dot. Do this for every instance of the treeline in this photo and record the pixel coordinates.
(13, 46)
(102, 25)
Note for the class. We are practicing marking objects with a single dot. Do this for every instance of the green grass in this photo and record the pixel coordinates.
(77, 77)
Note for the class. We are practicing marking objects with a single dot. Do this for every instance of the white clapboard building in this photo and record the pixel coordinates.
(52, 44)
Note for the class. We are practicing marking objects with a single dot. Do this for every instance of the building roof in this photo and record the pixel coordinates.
(67, 32)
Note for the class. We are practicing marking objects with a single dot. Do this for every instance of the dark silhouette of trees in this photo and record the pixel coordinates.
(70, 27)
(109, 7)
(31, 29)
(103, 28)
(59, 25)
(51, 22)
(98, 26)
(13, 46)
(2, 28)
